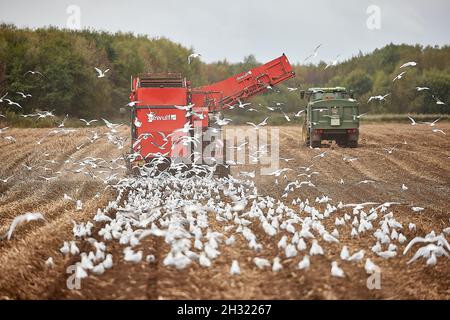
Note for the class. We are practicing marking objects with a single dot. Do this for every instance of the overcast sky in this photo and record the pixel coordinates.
(233, 29)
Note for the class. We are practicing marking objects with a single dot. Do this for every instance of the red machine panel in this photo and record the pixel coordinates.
(243, 85)
(152, 125)
(162, 96)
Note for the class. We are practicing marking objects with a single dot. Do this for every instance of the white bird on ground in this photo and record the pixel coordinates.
(390, 150)
(234, 269)
(101, 74)
(430, 252)
(27, 217)
(417, 209)
(108, 262)
(356, 257)
(316, 249)
(131, 256)
(344, 253)
(80, 273)
(408, 64)
(203, 260)
(276, 266)
(404, 187)
(398, 77)
(73, 248)
(304, 263)
(336, 271)
(422, 88)
(292, 89)
(49, 262)
(261, 263)
(366, 182)
(370, 267)
(193, 56)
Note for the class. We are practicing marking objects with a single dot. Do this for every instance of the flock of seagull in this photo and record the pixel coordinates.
(198, 214)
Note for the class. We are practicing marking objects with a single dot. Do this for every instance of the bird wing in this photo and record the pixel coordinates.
(98, 70)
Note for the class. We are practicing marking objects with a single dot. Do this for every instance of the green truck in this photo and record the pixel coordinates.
(331, 114)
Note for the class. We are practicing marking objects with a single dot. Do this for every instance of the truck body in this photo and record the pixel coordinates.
(331, 114)
(166, 111)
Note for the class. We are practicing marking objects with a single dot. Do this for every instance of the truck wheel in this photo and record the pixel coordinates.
(342, 142)
(315, 144)
(353, 143)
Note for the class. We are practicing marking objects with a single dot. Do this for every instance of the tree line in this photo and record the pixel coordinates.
(69, 83)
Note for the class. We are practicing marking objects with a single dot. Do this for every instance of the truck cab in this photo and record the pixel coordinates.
(331, 114)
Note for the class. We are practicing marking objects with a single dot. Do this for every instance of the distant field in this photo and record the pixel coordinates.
(275, 118)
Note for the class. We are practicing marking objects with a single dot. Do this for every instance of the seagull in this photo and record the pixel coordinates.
(33, 72)
(366, 182)
(132, 103)
(292, 89)
(47, 178)
(234, 269)
(256, 126)
(370, 267)
(243, 105)
(432, 124)
(336, 271)
(185, 108)
(417, 209)
(13, 103)
(299, 114)
(438, 131)
(193, 56)
(379, 97)
(304, 263)
(101, 74)
(88, 123)
(27, 217)
(398, 77)
(404, 187)
(24, 95)
(408, 64)
(390, 150)
(6, 180)
(333, 63)
(413, 122)
(422, 88)
(438, 101)
(314, 54)
(3, 97)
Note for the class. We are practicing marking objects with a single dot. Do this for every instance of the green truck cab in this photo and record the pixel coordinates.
(331, 114)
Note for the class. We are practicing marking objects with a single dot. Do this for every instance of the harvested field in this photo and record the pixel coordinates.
(422, 164)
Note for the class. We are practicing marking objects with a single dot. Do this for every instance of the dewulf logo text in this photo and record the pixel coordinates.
(168, 117)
